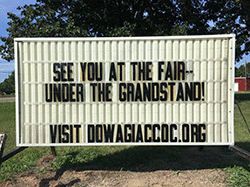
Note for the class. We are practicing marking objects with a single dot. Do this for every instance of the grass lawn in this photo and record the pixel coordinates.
(6, 95)
(131, 157)
(242, 135)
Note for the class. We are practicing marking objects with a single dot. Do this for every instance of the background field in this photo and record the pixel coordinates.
(134, 158)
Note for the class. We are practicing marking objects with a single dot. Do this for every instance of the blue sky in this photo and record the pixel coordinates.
(10, 6)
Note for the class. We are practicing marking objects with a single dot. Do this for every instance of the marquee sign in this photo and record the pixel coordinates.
(125, 91)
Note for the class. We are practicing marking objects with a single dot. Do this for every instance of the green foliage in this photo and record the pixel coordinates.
(119, 158)
(8, 86)
(240, 72)
(26, 160)
(110, 157)
(239, 176)
(7, 124)
(61, 18)
(78, 18)
(242, 136)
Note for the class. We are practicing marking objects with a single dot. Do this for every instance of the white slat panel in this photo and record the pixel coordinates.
(47, 78)
(67, 58)
(189, 76)
(231, 57)
(148, 107)
(224, 109)
(217, 91)
(197, 56)
(162, 109)
(40, 95)
(182, 104)
(176, 106)
(19, 71)
(155, 56)
(33, 79)
(27, 97)
(210, 90)
(203, 78)
(208, 64)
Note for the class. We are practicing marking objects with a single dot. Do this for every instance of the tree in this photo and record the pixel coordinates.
(230, 16)
(242, 71)
(83, 18)
(66, 18)
(8, 85)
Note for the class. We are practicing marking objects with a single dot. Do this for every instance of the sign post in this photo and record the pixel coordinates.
(125, 91)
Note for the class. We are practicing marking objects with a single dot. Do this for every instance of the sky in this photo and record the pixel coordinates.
(10, 6)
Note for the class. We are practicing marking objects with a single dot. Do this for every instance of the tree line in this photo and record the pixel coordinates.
(243, 71)
(111, 18)
(8, 85)
(84, 18)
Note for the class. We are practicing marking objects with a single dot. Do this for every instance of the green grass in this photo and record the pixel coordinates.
(242, 135)
(7, 124)
(134, 158)
(239, 176)
(6, 95)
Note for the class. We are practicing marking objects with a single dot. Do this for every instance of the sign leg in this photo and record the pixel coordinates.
(2, 144)
(53, 150)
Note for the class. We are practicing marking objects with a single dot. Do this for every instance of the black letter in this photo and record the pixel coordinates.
(160, 70)
(133, 71)
(108, 91)
(112, 73)
(155, 127)
(119, 136)
(155, 90)
(65, 138)
(202, 137)
(91, 71)
(180, 94)
(70, 72)
(97, 71)
(65, 92)
(91, 134)
(139, 136)
(57, 92)
(122, 94)
(109, 133)
(93, 85)
(146, 127)
(185, 133)
(77, 127)
(63, 71)
(197, 91)
(79, 92)
(83, 68)
(181, 70)
(194, 132)
(98, 133)
(71, 92)
(127, 136)
(163, 91)
(164, 133)
(172, 128)
(53, 132)
(55, 66)
(48, 93)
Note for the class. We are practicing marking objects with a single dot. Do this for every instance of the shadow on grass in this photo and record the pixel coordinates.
(244, 145)
(147, 159)
(242, 96)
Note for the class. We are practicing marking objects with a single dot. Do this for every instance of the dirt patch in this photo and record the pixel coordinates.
(45, 175)
(7, 99)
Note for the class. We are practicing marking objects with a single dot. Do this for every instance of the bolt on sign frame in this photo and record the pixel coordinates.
(175, 90)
